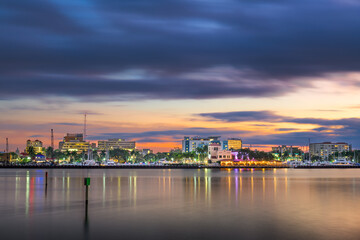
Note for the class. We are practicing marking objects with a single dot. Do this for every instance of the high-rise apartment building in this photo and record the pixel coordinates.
(37, 145)
(326, 149)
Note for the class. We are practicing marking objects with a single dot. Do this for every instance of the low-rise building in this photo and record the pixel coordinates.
(116, 143)
(224, 155)
(40, 158)
(5, 157)
(213, 150)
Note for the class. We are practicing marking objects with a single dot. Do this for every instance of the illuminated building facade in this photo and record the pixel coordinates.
(326, 149)
(37, 145)
(75, 147)
(224, 155)
(234, 143)
(213, 150)
(74, 142)
(116, 144)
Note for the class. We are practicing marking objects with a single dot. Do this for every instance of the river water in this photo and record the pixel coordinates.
(156, 204)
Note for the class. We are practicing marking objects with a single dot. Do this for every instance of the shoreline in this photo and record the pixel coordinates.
(177, 167)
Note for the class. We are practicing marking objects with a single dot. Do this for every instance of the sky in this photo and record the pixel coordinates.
(268, 71)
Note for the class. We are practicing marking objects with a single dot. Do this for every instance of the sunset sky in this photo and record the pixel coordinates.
(268, 71)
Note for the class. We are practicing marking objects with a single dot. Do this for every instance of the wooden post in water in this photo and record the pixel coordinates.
(87, 184)
(86, 222)
(46, 183)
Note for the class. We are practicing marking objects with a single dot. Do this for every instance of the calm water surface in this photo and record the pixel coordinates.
(180, 204)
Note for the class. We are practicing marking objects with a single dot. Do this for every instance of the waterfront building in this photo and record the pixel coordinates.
(224, 155)
(37, 145)
(326, 149)
(5, 157)
(234, 143)
(216, 153)
(40, 158)
(74, 142)
(249, 163)
(116, 143)
(224, 144)
(213, 150)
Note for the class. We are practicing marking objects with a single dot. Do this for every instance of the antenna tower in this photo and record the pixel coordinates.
(52, 138)
(309, 151)
(84, 126)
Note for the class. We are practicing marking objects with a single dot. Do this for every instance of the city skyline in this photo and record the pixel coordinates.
(255, 70)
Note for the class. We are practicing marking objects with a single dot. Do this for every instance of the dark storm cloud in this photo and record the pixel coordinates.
(244, 116)
(270, 116)
(345, 129)
(46, 42)
(302, 138)
(294, 138)
(36, 15)
(105, 89)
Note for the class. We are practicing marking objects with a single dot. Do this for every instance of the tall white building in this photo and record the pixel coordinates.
(326, 149)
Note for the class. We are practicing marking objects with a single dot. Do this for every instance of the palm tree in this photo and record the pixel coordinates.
(149, 157)
(31, 152)
(95, 155)
(74, 156)
(202, 152)
(50, 152)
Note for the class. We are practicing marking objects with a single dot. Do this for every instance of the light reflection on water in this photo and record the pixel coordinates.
(180, 204)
